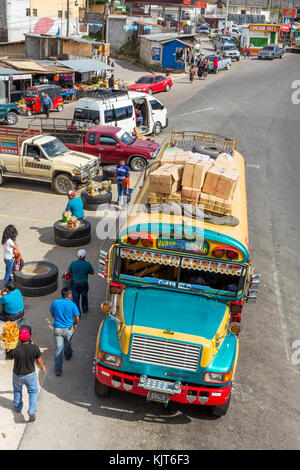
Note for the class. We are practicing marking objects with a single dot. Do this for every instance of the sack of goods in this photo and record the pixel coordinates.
(194, 178)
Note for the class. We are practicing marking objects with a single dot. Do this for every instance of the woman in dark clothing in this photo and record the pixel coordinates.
(200, 69)
(192, 74)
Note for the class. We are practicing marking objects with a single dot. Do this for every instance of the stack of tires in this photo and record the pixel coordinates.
(91, 203)
(66, 237)
(37, 278)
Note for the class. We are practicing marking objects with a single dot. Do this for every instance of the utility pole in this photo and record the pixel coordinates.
(68, 17)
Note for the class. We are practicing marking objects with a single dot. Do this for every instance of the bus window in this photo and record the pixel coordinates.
(141, 269)
(217, 281)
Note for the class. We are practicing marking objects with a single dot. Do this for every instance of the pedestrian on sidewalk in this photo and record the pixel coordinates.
(80, 270)
(248, 53)
(66, 317)
(25, 355)
(9, 242)
(47, 104)
(192, 74)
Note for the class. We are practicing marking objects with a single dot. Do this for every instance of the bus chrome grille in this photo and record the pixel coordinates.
(165, 353)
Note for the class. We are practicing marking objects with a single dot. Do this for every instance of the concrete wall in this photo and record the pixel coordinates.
(13, 50)
(117, 36)
(17, 21)
(146, 51)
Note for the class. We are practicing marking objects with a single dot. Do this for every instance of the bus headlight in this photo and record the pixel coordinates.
(217, 377)
(110, 359)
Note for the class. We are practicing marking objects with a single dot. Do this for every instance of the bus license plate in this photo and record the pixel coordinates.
(157, 396)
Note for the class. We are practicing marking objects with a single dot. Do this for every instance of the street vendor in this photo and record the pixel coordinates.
(12, 301)
(75, 205)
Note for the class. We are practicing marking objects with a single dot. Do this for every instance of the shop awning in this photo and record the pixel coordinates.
(86, 65)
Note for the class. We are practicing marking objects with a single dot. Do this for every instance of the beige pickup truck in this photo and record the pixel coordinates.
(27, 154)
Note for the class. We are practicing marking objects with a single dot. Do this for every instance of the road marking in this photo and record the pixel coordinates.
(197, 111)
(30, 192)
(281, 314)
(28, 219)
(251, 165)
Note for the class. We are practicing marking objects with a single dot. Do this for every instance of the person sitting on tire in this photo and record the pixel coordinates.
(12, 301)
(80, 270)
(75, 205)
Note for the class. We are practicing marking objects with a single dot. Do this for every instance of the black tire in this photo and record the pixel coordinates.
(1, 178)
(109, 172)
(62, 184)
(11, 118)
(220, 410)
(60, 108)
(150, 91)
(101, 198)
(38, 291)
(138, 163)
(157, 128)
(101, 390)
(71, 242)
(64, 233)
(167, 87)
(37, 280)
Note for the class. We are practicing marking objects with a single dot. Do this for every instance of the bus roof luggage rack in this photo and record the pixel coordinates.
(105, 93)
(195, 141)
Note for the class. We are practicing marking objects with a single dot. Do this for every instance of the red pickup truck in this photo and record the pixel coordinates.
(111, 144)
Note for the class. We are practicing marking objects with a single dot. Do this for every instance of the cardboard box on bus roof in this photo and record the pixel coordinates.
(220, 181)
(194, 173)
(223, 160)
(166, 179)
(190, 195)
(177, 157)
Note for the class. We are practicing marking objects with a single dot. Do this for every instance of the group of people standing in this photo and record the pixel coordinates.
(200, 69)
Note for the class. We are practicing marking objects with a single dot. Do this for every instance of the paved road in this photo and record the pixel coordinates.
(254, 105)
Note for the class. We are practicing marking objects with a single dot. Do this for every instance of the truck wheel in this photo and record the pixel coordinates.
(157, 128)
(220, 410)
(36, 274)
(138, 164)
(62, 184)
(1, 178)
(11, 118)
(100, 389)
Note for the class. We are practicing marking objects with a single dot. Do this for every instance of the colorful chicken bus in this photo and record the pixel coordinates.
(176, 286)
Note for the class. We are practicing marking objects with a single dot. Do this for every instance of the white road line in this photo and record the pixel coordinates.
(197, 111)
(281, 314)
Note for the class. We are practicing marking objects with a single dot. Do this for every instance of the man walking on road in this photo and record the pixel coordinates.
(80, 270)
(25, 355)
(66, 317)
(216, 64)
(47, 104)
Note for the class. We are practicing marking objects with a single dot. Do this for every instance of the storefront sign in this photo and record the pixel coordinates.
(3, 77)
(212, 266)
(266, 28)
(21, 77)
(150, 257)
(289, 12)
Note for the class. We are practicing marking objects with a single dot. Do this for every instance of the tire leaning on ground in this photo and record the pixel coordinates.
(108, 172)
(67, 237)
(37, 278)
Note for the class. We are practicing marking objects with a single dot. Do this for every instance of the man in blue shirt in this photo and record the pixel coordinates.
(121, 171)
(12, 301)
(66, 317)
(75, 205)
(47, 104)
(80, 270)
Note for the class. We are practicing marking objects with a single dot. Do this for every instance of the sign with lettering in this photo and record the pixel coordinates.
(200, 247)
(150, 257)
(212, 266)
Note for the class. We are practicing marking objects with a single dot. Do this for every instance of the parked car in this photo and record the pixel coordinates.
(119, 109)
(202, 29)
(9, 113)
(231, 51)
(271, 52)
(152, 84)
(220, 41)
(110, 144)
(224, 62)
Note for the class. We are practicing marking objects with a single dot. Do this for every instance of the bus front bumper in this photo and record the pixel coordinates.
(188, 394)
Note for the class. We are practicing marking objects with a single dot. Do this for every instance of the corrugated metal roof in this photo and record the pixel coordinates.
(164, 36)
(8, 71)
(85, 65)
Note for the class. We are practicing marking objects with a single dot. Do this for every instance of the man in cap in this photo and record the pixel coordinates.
(80, 270)
(75, 205)
(66, 317)
(25, 355)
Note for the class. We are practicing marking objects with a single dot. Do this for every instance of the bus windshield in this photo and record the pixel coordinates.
(179, 272)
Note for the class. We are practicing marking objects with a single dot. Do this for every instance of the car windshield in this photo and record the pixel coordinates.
(54, 148)
(145, 80)
(268, 48)
(125, 137)
(229, 48)
(31, 93)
